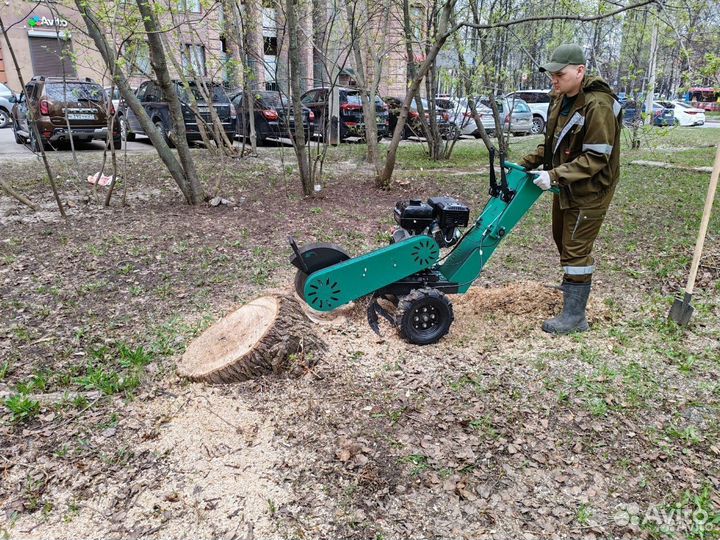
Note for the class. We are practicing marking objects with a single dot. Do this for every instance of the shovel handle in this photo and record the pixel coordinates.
(704, 223)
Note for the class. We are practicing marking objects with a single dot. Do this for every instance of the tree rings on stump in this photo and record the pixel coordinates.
(271, 334)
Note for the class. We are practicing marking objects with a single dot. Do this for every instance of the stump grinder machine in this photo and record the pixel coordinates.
(410, 272)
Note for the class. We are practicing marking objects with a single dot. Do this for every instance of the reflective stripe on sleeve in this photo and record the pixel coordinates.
(599, 148)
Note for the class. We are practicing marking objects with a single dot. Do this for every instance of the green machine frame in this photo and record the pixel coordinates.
(354, 278)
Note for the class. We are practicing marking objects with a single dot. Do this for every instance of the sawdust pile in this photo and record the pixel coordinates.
(521, 298)
(203, 467)
(527, 298)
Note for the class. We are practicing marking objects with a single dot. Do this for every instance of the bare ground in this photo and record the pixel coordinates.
(498, 431)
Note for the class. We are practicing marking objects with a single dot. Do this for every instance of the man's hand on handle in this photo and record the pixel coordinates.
(542, 180)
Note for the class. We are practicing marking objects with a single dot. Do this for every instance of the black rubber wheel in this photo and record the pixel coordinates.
(163, 133)
(538, 125)
(117, 143)
(4, 118)
(18, 138)
(35, 145)
(424, 316)
(300, 279)
(452, 133)
(125, 133)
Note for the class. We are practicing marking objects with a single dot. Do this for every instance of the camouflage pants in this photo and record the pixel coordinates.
(574, 232)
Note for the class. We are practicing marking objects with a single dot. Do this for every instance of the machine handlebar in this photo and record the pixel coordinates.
(517, 167)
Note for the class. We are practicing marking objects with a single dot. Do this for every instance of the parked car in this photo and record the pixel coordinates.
(113, 93)
(446, 103)
(155, 104)
(413, 125)
(274, 116)
(538, 101)
(685, 114)
(630, 113)
(48, 99)
(662, 116)
(459, 113)
(6, 105)
(515, 116)
(351, 121)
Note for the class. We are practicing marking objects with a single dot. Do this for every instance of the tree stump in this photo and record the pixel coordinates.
(271, 334)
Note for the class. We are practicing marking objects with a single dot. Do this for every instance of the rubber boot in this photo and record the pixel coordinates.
(572, 318)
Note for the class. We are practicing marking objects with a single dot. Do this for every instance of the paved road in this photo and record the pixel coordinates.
(9, 148)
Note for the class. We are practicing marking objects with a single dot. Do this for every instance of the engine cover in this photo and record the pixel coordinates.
(449, 212)
(414, 215)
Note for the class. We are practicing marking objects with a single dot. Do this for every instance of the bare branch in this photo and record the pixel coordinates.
(579, 18)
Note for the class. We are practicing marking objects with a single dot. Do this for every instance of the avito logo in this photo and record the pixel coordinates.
(34, 22)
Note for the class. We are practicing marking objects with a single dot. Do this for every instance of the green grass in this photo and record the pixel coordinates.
(22, 408)
(694, 516)
(5, 368)
(583, 515)
(419, 463)
(106, 380)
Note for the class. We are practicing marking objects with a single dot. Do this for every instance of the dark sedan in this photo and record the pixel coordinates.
(413, 124)
(351, 120)
(662, 116)
(274, 116)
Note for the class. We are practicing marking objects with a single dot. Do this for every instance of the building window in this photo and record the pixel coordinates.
(193, 60)
(270, 46)
(417, 21)
(189, 6)
(137, 55)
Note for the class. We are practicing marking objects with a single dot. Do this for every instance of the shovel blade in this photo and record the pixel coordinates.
(681, 310)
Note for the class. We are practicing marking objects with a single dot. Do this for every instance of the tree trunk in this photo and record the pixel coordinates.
(319, 16)
(298, 137)
(650, 96)
(36, 133)
(251, 77)
(233, 44)
(386, 175)
(271, 334)
(159, 64)
(108, 55)
(366, 94)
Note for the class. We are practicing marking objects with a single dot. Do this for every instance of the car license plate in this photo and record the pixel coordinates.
(79, 116)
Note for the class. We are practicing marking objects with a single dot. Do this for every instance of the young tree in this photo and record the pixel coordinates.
(385, 176)
(298, 136)
(34, 133)
(189, 185)
(160, 67)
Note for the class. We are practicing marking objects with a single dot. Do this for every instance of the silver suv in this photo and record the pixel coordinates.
(5, 105)
(538, 101)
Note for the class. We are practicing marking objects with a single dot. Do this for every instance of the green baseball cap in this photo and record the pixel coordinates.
(564, 55)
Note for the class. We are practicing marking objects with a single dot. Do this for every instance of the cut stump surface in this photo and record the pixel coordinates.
(271, 334)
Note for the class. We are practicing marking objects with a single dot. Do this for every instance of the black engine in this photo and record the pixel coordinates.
(439, 218)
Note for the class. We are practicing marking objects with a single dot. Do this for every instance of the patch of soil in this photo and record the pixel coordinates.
(207, 461)
(497, 431)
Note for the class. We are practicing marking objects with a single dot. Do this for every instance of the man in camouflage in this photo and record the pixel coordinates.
(581, 157)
